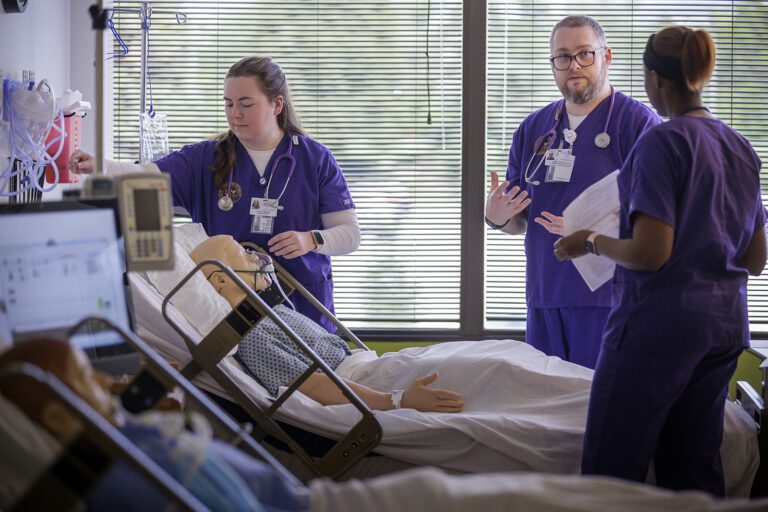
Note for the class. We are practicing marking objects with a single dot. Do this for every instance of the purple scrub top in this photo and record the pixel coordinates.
(549, 283)
(316, 187)
(701, 177)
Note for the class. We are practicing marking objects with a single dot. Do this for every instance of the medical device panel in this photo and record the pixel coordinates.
(146, 215)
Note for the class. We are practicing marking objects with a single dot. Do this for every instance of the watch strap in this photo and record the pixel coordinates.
(591, 246)
(492, 225)
(397, 397)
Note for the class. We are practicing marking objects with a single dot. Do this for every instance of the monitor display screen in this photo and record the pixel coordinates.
(59, 263)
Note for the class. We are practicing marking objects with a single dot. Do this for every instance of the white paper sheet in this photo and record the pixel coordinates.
(596, 209)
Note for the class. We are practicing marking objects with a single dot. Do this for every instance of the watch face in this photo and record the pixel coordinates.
(318, 238)
(589, 247)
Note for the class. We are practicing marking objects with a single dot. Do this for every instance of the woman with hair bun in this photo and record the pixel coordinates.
(692, 231)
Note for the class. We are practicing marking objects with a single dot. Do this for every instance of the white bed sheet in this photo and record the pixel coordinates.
(524, 411)
(428, 489)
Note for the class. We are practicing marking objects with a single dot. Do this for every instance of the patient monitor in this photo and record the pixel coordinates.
(59, 263)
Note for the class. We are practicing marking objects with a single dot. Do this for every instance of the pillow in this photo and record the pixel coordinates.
(196, 300)
(189, 235)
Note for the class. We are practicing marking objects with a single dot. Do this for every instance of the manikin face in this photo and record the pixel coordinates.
(226, 249)
(578, 84)
(250, 114)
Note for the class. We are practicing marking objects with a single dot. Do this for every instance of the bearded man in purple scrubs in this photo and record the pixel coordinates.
(264, 181)
(692, 230)
(590, 133)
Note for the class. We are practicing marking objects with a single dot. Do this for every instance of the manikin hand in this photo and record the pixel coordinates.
(552, 223)
(501, 206)
(291, 244)
(422, 398)
(81, 162)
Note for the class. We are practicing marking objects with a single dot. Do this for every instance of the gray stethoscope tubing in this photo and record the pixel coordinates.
(602, 140)
(226, 203)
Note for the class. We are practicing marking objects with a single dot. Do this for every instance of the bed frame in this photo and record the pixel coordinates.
(755, 404)
(86, 459)
(208, 354)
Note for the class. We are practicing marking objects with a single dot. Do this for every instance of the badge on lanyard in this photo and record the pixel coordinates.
(559, 165)
(264, 211)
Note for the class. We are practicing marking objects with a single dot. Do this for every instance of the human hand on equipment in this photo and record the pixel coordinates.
(501, 206)
(572, 246)
(81, 162)
(291, 244)
(552, 223)
(425, 399)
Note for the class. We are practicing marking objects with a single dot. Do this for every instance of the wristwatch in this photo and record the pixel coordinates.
(397, 397)
(590, 245)
(318, 238)
(491, 225)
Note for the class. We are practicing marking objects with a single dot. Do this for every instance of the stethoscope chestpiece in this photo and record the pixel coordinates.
(602, 140)
(226, 203)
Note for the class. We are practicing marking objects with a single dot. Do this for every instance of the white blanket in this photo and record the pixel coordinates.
(428, 489)
(524, 411)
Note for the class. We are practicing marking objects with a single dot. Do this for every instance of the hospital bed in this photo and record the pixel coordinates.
(411, 491)
(524, 411)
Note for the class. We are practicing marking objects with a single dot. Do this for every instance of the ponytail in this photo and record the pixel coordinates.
(682, 54)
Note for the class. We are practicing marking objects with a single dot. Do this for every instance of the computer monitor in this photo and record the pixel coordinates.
(59, 263)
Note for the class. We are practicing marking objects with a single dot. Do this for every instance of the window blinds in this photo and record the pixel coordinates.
(520, 81)
(379, 83)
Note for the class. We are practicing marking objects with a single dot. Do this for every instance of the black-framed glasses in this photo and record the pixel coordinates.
(248, 273)
(584, 59)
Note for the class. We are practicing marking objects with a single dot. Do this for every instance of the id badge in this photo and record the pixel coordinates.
(562, 170)
(264, 207)
(262, 224)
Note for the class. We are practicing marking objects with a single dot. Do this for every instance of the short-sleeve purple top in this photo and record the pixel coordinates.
(550, 283)
(317, 186)
(702, 178)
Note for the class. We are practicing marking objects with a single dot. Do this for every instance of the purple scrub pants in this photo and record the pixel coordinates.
(573, 334)
(665, 406)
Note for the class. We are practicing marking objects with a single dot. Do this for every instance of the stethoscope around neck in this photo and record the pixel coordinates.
(226, 202)
(546, 141)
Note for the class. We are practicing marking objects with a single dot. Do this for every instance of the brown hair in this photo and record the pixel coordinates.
(576, 21)
(272, 82)
(693, 49)
(51, 355)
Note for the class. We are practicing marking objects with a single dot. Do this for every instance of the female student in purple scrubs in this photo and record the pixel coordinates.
(692, 230)
(264, 181)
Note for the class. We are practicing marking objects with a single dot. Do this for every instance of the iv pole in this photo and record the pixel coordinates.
(145, 12)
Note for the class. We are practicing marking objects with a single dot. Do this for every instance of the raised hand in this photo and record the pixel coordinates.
(502, 205)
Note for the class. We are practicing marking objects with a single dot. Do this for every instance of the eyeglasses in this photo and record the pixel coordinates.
(583, 59)
(248, 273)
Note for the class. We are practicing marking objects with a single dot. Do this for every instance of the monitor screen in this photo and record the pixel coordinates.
(59, 263)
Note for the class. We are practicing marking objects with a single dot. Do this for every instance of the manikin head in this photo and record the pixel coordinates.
(572, 36)
(226, 249)
(71, 366)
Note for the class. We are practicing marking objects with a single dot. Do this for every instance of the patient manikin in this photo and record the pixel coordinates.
(219, 475)
(274, 360)
(227, 479)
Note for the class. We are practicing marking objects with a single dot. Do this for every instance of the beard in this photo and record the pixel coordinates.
(589, 92)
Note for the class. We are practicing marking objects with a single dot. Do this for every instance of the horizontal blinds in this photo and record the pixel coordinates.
(520, 80)
(367, 78)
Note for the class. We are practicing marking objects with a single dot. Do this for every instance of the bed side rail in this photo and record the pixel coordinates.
(89, 456)
(290, 283)
(157, 378)
(207, 355)
(751, 401)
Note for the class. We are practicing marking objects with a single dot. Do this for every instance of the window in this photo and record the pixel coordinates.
(369, 76)
(520, 81)
(379, 83)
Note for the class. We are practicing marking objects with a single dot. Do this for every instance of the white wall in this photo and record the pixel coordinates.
(54, 39)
